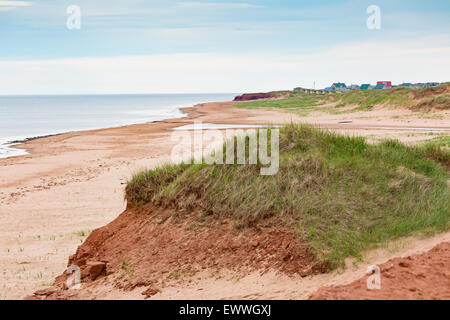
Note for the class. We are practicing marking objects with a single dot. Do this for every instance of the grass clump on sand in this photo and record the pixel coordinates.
(367, 99)
(338, 193)
(439, 102)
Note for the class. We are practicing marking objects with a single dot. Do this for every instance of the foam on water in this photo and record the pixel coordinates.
(7, 150)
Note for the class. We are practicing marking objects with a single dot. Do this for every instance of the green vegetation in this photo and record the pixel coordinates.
(128, 268)
(297, 102)
(82, 233)
(340, 194)
(441, 141)
(440, 102)
(367, 99)
(360, 100)
(444, 99)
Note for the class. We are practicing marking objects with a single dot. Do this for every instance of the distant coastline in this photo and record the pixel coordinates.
(48, 116)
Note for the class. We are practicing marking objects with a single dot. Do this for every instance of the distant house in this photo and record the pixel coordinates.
(408, 85)
(338, 86)
(311, 91)
(418, 86)
(431, 84)
(380, 86)
(354, 87)
(387, 84)
(366, 86)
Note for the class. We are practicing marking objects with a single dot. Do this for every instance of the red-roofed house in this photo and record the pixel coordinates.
(387, 84)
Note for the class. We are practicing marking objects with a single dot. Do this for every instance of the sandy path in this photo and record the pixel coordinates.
(73, 183)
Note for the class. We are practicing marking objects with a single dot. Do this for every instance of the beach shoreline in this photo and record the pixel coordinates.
(43, 116)
(192, 113)
(72, 183)
(14, 145)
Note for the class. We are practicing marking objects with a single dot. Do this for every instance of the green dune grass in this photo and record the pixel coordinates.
(339, 194)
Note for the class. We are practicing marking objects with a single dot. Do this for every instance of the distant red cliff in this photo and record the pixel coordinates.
(255, 96)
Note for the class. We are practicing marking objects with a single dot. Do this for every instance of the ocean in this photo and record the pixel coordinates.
(23, 117)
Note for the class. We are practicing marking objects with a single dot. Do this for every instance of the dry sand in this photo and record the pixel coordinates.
(72, 183)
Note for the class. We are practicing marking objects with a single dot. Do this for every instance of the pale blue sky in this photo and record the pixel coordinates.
(217, 46)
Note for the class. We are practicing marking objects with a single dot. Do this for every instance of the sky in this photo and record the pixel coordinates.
(145, 46)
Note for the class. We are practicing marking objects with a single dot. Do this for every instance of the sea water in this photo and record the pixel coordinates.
(23, 117)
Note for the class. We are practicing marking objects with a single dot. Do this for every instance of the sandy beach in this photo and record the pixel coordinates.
(73, 183)
(233, 153)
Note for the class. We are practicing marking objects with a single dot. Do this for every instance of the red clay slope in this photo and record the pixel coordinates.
(145, 248)
(255, 96)
(419, 277)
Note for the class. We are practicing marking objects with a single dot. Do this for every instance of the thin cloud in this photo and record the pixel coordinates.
(210, 72)
(11, 5)
(15, 4)
(218, 5)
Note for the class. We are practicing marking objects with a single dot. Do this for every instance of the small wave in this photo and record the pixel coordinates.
(7, 150)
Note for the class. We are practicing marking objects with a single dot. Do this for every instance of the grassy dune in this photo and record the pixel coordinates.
(361, 100)
(339, 194)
